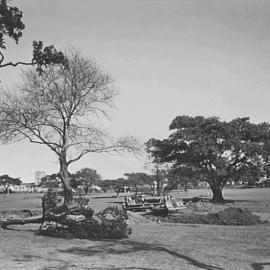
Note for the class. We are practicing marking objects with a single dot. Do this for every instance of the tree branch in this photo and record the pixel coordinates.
(17, 63)
(14, 64)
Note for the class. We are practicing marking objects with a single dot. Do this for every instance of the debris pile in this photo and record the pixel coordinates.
(136, 218)
(80, 221)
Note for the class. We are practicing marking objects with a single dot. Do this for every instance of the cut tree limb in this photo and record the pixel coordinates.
(5, 223)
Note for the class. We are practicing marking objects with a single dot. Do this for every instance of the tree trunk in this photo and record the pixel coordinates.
(217, 194)
(86, 189)
(5, 223)
(185, 187)
(158, 181)
(65, 180)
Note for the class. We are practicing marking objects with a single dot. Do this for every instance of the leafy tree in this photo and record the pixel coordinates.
(217, 150)
(50, 181)
(6, 181)
(265, 168)
(12, 26)
(59, 109)
(158, 168)
(86, 177)
(141, 181)
(106, 185)
(112, 184)
(182, 176)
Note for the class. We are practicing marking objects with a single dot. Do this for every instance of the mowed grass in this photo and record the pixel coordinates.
(151, 245)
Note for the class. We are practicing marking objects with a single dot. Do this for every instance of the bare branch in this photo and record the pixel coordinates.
(16, 64)
(124, 144)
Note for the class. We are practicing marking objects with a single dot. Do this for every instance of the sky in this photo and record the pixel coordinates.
(167, 57)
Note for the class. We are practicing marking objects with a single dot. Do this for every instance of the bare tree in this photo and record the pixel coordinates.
(59, 109)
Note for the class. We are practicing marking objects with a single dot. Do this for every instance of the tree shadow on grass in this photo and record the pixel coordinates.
(23, 228)
(102, 197)
(114, 247)
(65, 266)
(116, 202)
(259, 266)
(26, 258)
(122, 268)
(209, 200)
(234, 201)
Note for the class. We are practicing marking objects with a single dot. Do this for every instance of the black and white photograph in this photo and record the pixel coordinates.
(135, 134)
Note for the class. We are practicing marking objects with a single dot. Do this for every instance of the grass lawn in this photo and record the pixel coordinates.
(150, 246)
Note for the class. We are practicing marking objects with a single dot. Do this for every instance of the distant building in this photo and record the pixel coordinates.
(38, 176)
(24, 187)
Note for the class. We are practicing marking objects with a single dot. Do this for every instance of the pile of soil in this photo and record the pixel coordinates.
(229, 216)
(203, 207)
(136, 218)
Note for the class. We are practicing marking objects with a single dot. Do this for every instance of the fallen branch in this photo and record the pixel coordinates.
(5, 223)
(22, 221)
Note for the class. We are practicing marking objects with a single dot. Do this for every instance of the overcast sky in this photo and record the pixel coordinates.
(168, 58)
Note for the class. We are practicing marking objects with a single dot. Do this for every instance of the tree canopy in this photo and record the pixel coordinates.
(218, 150)
(86, 178)
(158, 169)
(12, 26)
(50, 181)
(6, 181)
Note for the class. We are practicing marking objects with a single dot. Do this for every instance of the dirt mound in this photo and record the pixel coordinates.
(235, 216)
(207, 207)
(136, 218)
(229, 216)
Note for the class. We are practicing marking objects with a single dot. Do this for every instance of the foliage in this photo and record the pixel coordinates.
(106, 185)
(158, 169)
(86, 178)
(80, 221)
(217, 150)
(45, 56)
(114, 184)
(141, 182)
(6, 181)
(50, 181)
(12, 26)
(109, 224)
(182, 177)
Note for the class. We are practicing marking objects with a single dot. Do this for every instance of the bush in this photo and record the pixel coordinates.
(80, 221)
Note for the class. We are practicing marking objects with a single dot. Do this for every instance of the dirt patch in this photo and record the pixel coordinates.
(208, 207)
(137, 218)
(229, 216)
